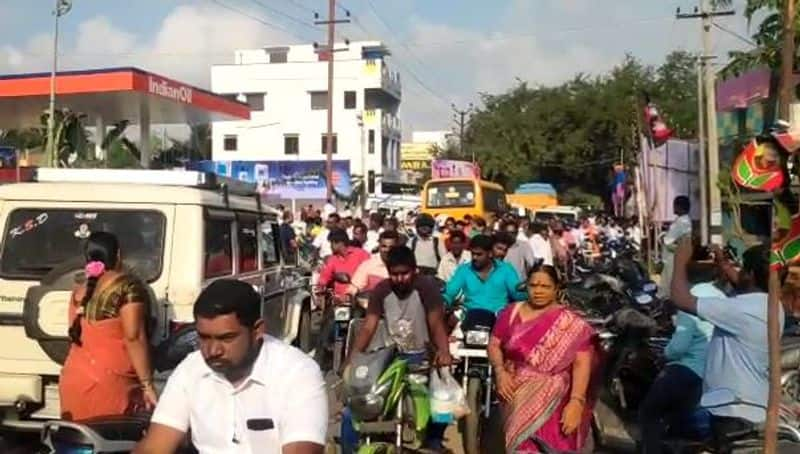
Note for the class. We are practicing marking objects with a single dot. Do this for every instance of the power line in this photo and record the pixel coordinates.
(410, 53)
(255, 18)
(735, 35)
(508, 37)
(301, 6)
(284, 15)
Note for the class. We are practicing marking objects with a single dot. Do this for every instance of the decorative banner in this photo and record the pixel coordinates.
(442, 168)
(758, 167)
(659, 132)
(786, 248)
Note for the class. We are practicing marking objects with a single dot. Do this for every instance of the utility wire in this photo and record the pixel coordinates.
(410, 53)
(287, 16)
(301, 6)
(255, 18)
(507, 37)
(734, 34)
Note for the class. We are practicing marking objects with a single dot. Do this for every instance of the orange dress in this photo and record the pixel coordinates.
(98, 378)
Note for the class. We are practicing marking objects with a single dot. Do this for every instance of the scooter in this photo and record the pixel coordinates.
(118, 434)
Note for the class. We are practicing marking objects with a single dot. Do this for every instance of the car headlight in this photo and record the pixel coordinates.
(477, 337)
(342, 314)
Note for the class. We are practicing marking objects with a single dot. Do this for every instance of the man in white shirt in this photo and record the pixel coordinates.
(542, 250)
(455, 257)
(243, 392)
(680, 227)
(321, 242)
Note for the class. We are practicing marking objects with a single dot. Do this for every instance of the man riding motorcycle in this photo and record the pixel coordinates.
(345, 259)
(737, 356)
(411, 305)
(374, 270)
(486, 282)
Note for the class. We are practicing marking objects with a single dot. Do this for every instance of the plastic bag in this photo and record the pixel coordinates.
(448, 401)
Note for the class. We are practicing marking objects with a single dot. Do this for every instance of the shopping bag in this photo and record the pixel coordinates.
(448, 401)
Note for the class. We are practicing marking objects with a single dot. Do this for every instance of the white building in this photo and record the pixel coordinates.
(286, 88)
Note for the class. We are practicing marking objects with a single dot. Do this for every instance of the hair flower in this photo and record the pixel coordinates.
(95, 269)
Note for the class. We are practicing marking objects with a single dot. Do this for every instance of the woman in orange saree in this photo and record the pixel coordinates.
(542, 356)
(107, 370)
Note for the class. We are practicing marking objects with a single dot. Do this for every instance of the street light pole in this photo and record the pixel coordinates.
(62, 7)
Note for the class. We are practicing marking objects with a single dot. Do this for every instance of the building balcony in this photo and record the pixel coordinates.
(390, 124)
(390, 81)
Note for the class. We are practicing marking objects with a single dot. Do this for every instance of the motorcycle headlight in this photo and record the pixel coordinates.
(342, 314)
(644, 298)
(477, 337)
(649, 287)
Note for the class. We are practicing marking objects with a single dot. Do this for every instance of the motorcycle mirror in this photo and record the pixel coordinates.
(341, 278)
(718, 398)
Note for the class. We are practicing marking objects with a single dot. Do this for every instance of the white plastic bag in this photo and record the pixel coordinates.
(448, 401)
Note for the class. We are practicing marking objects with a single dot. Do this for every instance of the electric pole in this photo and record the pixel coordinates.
(329, 50)
(785, 98)
(460, 118)
(707, 14)
(702, 173)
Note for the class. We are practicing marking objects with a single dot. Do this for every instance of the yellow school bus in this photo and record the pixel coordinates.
(458, 197)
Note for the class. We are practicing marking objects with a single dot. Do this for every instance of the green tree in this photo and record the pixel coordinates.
(570, 135)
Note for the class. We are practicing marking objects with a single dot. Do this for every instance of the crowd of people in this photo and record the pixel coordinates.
(234, 393)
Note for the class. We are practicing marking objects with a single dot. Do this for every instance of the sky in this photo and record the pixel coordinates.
(447, 51)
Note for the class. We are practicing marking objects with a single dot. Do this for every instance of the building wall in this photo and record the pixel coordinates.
(287, 97)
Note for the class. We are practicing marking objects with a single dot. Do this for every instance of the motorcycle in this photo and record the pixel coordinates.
(387, 396)
(476, 377)
(337, 314)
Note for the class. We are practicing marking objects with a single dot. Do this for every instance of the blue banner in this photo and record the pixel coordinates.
(284, 179)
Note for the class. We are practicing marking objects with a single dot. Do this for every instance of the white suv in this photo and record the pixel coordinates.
(179, 230)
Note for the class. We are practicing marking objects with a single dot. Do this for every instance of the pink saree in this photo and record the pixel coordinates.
(542, 352)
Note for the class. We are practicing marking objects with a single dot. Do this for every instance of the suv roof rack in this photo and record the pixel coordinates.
(188, 178)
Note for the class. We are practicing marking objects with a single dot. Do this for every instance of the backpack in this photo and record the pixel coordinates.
(435, 247)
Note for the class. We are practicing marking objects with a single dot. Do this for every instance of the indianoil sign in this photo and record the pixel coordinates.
(171, 90)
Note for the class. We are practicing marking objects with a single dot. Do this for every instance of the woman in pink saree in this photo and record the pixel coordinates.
(542, 357)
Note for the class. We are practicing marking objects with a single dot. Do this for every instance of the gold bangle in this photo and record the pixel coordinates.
(580, 399)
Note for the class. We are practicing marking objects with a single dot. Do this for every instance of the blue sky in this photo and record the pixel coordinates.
(456, 48)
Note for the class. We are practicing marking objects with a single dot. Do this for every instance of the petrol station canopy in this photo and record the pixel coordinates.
(109, 95)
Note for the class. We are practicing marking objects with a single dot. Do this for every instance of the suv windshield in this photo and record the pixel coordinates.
(38, 240)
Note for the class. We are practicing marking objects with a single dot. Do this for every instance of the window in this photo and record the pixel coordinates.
(269, 243)
(451, 195)
(385, 153)
(371, 141)
(229, 143)
(38, 240)
(325, 144)
(247, 236)
(291, 144)
(319, 100)
(256, 101)
(218, 248)
(349, 100)
(494, 200)
(279, 56)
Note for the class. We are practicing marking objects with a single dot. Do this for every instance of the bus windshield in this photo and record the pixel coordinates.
(449, 194)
